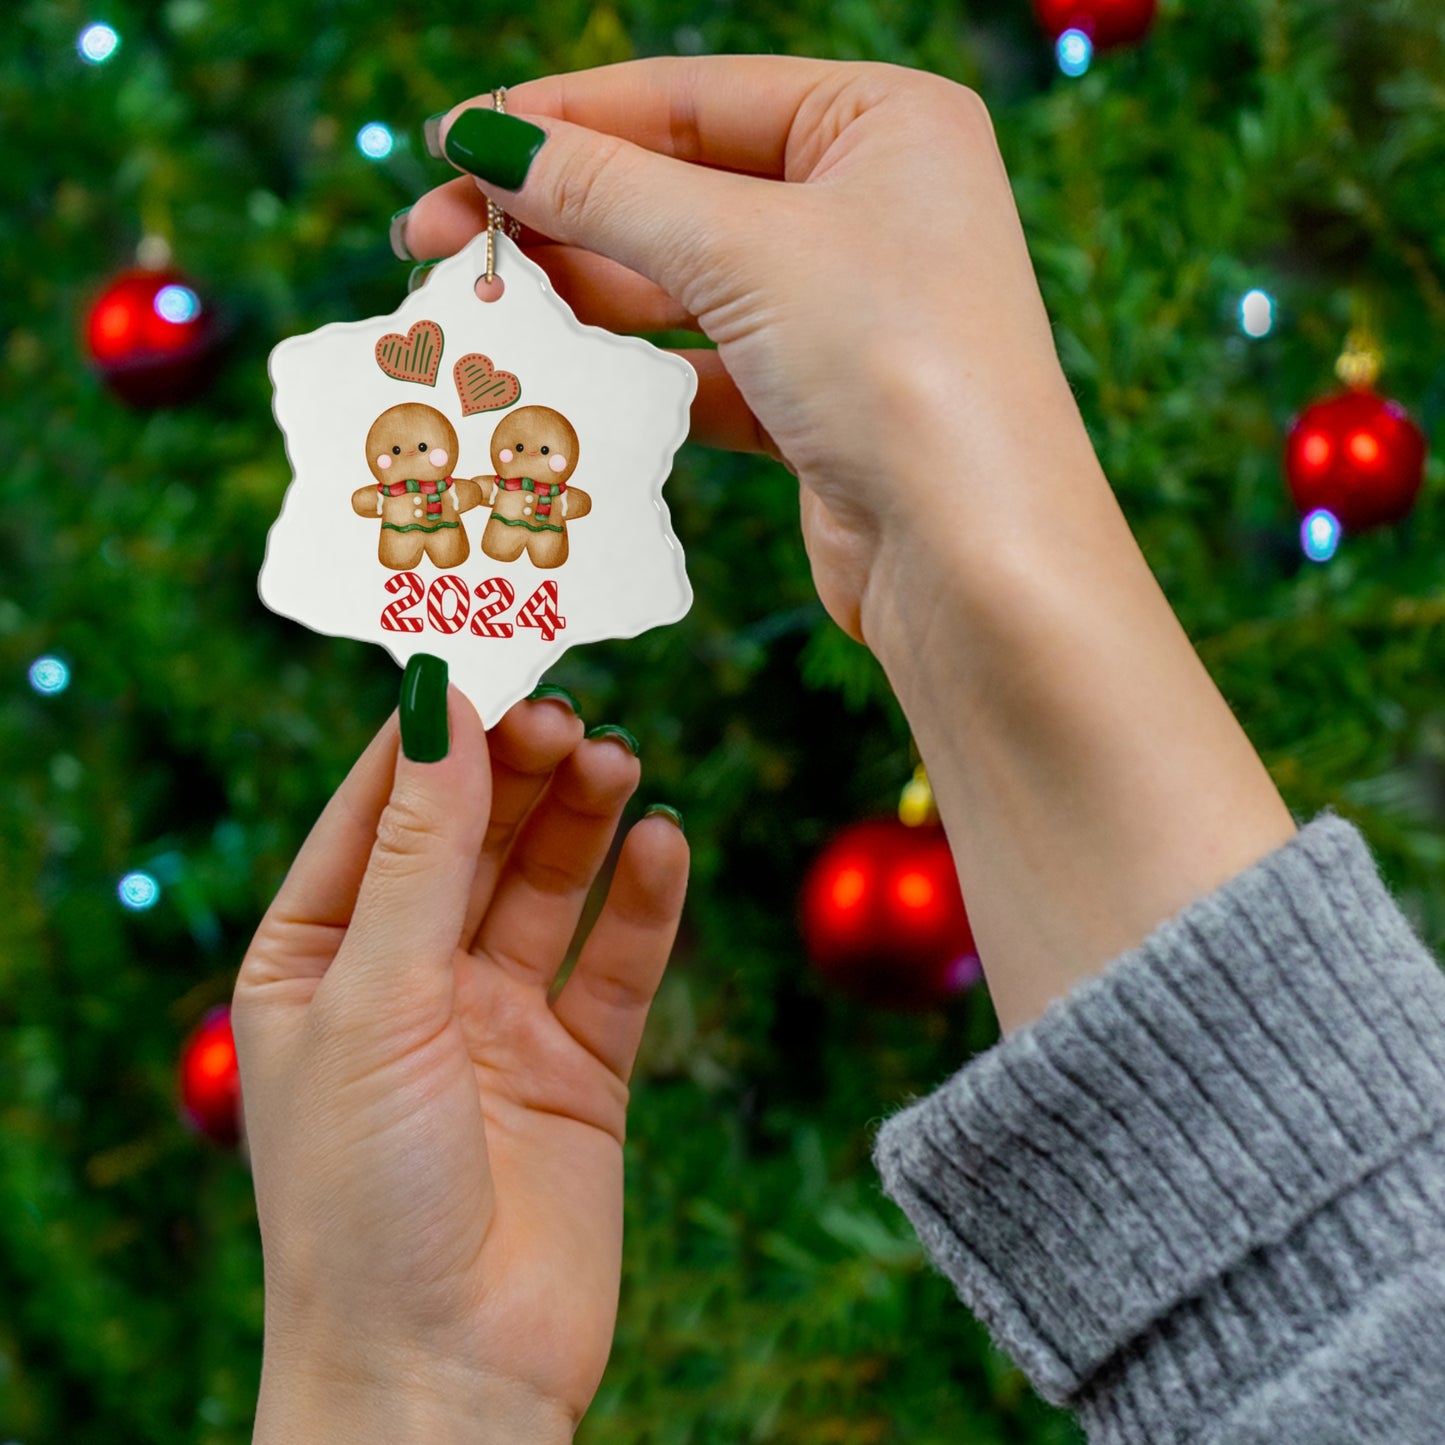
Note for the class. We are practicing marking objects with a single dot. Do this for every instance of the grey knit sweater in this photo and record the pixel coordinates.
(1202, 1199)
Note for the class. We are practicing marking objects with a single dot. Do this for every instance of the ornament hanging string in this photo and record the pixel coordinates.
(497, 218)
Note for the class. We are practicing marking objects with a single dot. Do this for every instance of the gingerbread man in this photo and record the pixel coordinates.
(410, 450)
(534, 450)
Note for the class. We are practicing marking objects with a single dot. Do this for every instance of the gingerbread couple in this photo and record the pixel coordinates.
(411, 450)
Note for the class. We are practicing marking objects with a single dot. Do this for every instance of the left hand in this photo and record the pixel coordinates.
(437, 1149)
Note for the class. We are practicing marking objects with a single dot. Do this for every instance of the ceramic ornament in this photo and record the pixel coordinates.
(478, 480)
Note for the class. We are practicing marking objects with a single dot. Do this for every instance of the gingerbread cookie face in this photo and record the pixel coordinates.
(537, 442)
(411, 440)
(433, 509)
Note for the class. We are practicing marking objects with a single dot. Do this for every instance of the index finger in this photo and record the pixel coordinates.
(734, 112)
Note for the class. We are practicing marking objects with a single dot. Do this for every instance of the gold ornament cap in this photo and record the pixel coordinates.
(1360, 362)
(915, 804)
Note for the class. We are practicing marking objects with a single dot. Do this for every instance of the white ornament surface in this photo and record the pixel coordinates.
(628, 402)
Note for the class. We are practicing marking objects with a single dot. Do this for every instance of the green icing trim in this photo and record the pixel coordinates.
(417, 527)
(518, 522)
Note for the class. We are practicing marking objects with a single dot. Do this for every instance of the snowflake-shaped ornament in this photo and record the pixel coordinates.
(478, 480)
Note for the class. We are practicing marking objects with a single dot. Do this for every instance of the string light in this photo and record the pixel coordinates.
(375, 141)
(1320, 535)
(97, 43)
(1075, 52)
(965, 970)
(138, 891)
(1256, 313)
(49, 675)
(177, 304)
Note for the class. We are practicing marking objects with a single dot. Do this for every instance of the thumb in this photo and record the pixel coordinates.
(395, 963)
(664, 218)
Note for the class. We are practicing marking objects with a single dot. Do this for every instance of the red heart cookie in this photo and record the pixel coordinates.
(413, 357)
(482, 387)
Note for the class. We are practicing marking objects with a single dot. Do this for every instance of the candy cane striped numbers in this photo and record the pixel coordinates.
(449, 606)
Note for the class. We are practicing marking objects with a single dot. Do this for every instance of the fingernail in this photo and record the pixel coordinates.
(664, 810)
(613, 730)
(431, 133)
(424, 736)
(498, 148)
(418, 275)
(397, 235)
(550, 689)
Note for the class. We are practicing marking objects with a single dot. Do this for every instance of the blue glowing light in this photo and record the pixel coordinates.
(177, 304)
(49, 675)
(375, 140)
(1075, 51)
(1320, 535)
(138, 891)
(97, 44)
(1256, 313)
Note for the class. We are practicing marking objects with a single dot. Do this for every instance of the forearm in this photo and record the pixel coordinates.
(1092, 779)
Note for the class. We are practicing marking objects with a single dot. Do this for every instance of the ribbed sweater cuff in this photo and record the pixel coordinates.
(1202, 1114)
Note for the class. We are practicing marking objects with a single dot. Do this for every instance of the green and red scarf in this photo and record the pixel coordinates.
(432, 490)
(545, 494)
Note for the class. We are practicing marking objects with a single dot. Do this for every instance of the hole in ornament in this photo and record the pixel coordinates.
(490, 290)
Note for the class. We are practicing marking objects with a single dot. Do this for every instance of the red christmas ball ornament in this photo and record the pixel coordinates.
(1107, 23)
(883, 917)
(152, 338)
(1359, 456)
(210, 1080)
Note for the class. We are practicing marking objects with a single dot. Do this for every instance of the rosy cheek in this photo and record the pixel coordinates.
(384, 460)
(557, 463)
(438, 458)
(505, 455)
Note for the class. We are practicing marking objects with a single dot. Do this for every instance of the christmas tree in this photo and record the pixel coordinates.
(1212, 211)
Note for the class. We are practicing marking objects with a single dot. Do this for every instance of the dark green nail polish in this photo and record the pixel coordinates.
(418, 275)
(498, 148)
(424, 734)
(431, 133)
(668, 812)
(396, 232)
(550, 689)
(613, 730)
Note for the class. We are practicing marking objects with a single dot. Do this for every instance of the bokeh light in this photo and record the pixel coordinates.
(1315, 451)
(849, 887)
(375, 141)
(1364, 448)
(914, 889)
(97, 43)
(49, 675)
(138, 891)
(1320, 535)
(1075, 52)
(178, 304)
(964, 971)
(1256, 313)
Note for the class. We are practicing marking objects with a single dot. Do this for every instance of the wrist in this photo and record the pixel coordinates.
(321, 1403)
(1092, 778)
(1020, 511)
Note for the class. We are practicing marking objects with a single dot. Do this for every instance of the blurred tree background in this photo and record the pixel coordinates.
(770, 1292)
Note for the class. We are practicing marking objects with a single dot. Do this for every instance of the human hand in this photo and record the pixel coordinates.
(878, 324)
(436, 1149)
(847, 235)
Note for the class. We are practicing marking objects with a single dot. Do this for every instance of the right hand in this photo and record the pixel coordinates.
(878, 324)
